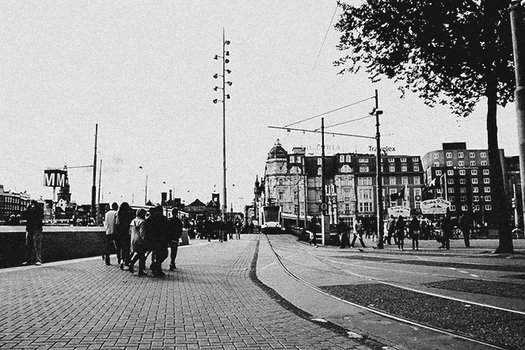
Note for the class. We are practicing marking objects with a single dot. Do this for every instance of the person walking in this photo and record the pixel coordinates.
(124, 218)
(34, 216)
(138, 242)
(358, 232)
(157, 237)
(238, 229)
(391, 229)
(464, 226)
(175, 233)
(446, 227)
(110, 224)
(400, 232)
(413, 231)
(342, 230)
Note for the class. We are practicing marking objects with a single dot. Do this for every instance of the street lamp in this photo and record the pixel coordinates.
(225, 97)
(145, 187)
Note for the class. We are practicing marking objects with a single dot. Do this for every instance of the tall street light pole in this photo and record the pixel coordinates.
(517, 21)
(94, 186)
(379, 186)
(225, 97)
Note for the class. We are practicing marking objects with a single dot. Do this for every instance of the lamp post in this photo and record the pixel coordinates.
(145, 187)
(225, 97)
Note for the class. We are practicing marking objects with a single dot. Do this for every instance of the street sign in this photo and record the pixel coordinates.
(55, 178)
(435, 206)
(399, 210)
(324, 206)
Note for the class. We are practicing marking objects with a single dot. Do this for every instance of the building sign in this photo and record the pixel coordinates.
(55, 178)
(328, 149)
(396, 211)
(435, 206)
(385, 149)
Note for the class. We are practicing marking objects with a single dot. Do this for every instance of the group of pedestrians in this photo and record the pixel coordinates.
(135, 236)
(344, 233)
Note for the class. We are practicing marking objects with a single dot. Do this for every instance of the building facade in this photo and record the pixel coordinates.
(12, 204)
(463, 178)
(294, 182)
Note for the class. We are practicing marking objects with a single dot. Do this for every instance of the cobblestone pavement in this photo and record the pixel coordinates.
(209, 302)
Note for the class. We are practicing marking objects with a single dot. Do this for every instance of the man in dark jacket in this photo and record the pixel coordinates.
(34, 216)
(158, 239)
(342, 230)
(175, 233)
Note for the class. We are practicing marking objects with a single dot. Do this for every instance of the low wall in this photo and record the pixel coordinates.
(58, 243)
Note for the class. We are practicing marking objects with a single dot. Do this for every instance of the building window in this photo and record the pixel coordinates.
(348, 158)
(404, 180)
(475, 189)
(448, 155)
(451, 190)
(319, 171)
(281, 196)
(486, 171)
(417, 180)
(438, 172)
(462, 181)
(472, 163)
(461, 155)
(464, 208)
(463, 190)
(319, 161)
(472, 155)
(488, 207)
(281, 182)
(392, 180)
(363, 160)
(347, 208)
(476, 206)
(450, 172)
(392, 168)
(474, 180)
(462, 172)
(403, 160)
(486, 189)
(483, 154)
(461, 163)
(450, 181)
(416, 167)
(404, 168)
(364, 169)
(346, 169)
(475, 198)
(486, 180)
(474, 172)
(436, 155)
(452, 207)
(487, 199)
(484, 163)
(449, 163)
(463, 198)
(436, 163)
(451, 199)
(391, 160)
(415, 160)
(341, 158)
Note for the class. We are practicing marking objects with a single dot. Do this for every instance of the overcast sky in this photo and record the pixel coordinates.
(143, 70)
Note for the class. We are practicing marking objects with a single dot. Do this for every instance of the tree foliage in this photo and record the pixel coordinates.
(438, 49)
(450, 52)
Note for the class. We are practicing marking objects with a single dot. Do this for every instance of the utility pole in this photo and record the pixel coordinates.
(94, 186)
(323, 188)
(99, 189)
(379, 177)
(517, 22)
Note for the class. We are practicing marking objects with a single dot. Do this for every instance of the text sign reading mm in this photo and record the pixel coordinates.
(55, 177)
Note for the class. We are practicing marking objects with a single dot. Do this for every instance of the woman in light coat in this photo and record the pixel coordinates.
(138, 242)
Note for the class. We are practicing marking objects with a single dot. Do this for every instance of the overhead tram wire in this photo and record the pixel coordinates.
(325, 35)
(348, 121)
(318, 132)
(331, 111)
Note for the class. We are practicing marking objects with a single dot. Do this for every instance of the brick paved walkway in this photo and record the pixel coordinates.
(210, 302)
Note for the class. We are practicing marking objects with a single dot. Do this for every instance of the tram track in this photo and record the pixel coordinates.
(333, 267)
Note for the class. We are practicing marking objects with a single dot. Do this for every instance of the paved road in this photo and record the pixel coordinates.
(209, 302)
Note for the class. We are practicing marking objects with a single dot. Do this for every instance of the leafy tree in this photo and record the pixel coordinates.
(450, 52)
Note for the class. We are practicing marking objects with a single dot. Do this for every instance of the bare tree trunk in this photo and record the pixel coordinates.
(499, 202)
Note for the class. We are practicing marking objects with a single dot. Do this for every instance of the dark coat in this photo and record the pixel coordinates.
(35, 217)
(174, 229)
(157, 235)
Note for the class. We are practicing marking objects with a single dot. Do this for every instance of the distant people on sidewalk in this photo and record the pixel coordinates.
(110, 224)
(124, 218)
(413, 231)
(157, 236)
(138, 242)
(311, 227)
(400, 232)
(342, 229)
(34, 215)
(174, 234)
(391, 229)
(358, 232)
(238, 229)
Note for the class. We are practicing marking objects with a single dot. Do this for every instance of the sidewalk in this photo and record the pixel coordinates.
(209, 302)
